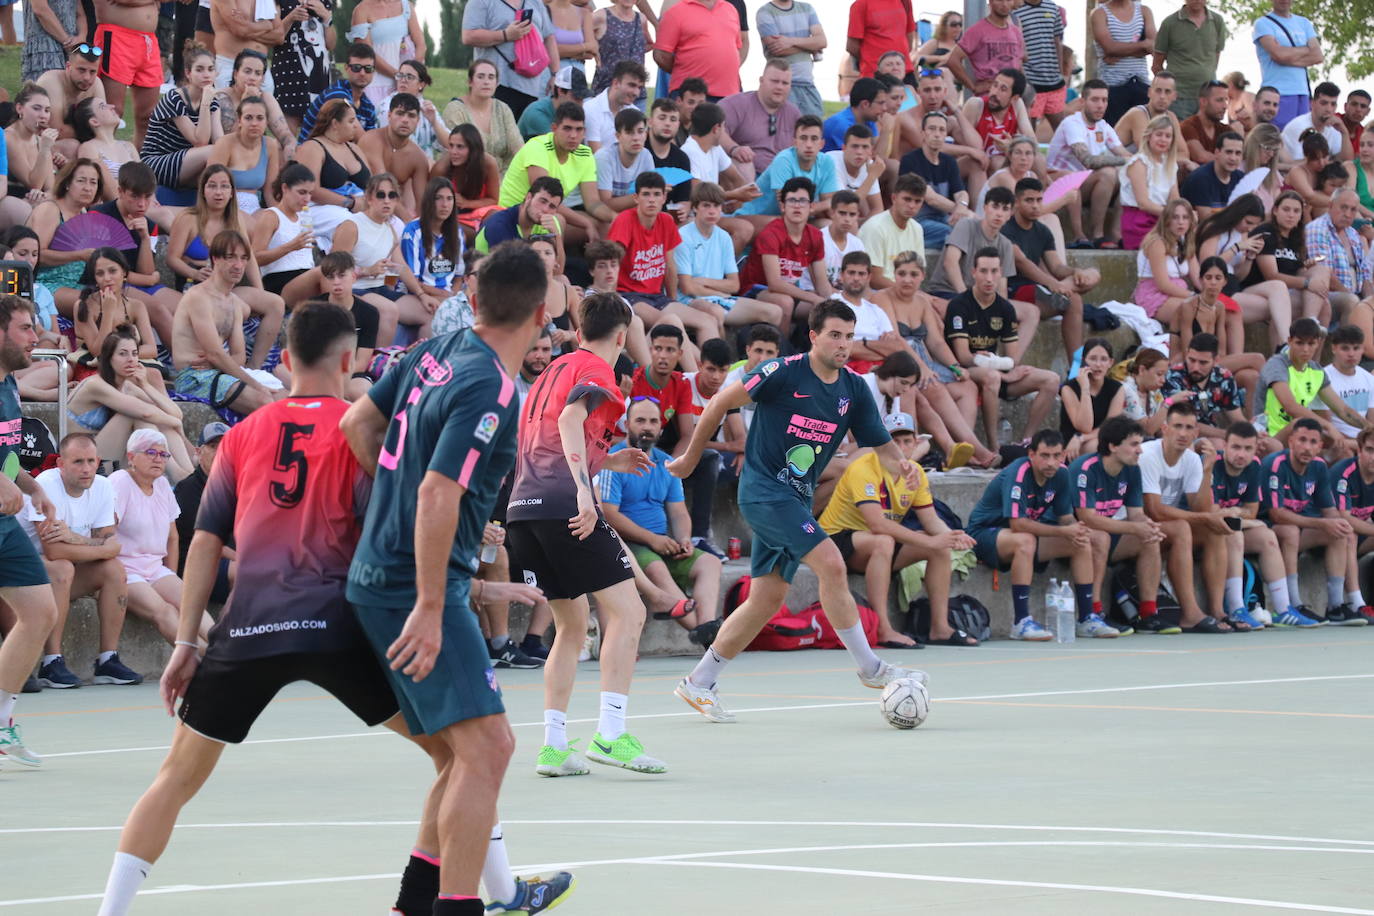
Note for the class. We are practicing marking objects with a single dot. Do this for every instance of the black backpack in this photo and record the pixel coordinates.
(37, 447)
(1124, 607)
(966, 613)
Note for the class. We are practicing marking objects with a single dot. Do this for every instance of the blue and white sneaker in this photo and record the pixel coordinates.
(57, 675)
(1294, 618)
(537, 894)
(1029, 630)
(1245, 617)
(1093, 626)
(114, 671)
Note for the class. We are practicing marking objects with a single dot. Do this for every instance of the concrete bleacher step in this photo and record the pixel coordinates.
(193, 417)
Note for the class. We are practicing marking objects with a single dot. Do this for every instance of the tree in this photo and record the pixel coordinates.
(452, 52)
(1346, 40)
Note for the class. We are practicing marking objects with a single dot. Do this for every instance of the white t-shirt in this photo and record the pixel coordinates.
(871, 322)
(847, 181)
(1356, 390)
(737, 374)
(600, 119)
(706, 164)
(1173, 485)
(834, 254)
(1074, 129)
(1292, 137)
(93, 509)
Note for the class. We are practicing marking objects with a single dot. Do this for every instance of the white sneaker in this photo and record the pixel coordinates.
(1097, 628)
(1031, 631)
(992, 361)
(12, 748)
(887, 673)
(704, 700)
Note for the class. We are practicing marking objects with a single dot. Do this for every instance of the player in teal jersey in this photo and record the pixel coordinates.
(805, 405)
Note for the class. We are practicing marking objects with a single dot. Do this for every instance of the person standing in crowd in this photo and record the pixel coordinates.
(1123, 33)
(301, 65)
(1047, 63)
(1286, 46)
(393, 31)
(50, 35)
(1189, 42)
(491, 28)
(131, 58)
(791, 31)
(876, 27)
(691, 37)
(622, 33)
(987, 46)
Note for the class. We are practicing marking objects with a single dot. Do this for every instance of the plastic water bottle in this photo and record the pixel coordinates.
(489, 550)
(1052, 604)
(1064, 617)
(1004, 432)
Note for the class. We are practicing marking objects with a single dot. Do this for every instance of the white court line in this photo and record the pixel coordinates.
(696, 859)
(679, 715)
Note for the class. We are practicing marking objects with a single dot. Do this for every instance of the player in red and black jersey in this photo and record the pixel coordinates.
(558, 537)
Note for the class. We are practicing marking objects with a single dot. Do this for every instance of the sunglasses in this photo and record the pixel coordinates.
(361, 68)
(644, 397)
(89, 50)
(772, 124)
(956, 23)
(157, 453)
(931, 72)
(386, 195)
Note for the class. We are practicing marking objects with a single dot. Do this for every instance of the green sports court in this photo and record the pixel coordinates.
(1149, 775)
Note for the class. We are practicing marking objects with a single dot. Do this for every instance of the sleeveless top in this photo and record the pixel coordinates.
(287, 229)
(390, 41)
(1176, 266)
(992, 129)
(1158, 179)
(1102, 401)
(621, 41)
(1119, 72)
(375, 243)
(333, 176)
(248, 182)
(570, 37)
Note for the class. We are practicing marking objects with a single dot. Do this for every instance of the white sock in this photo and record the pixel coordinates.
(1294, 593)
(496, 876)
(1278, 596)
(7, 701)
(49, 659)
(857, 643)
(1235, 594)
(612, 724)
(126, 877)
(499, 642)
(104, 657)
(1355, 599)
(556, 729)
(708, 670)
(1335, 590)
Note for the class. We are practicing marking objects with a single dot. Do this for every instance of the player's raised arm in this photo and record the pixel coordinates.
(726, 400)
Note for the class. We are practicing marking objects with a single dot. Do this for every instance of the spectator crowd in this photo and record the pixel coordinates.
(946, 202)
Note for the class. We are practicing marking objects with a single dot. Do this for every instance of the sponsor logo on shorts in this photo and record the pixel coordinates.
(486, 427)
(531, 579)
(809, 527)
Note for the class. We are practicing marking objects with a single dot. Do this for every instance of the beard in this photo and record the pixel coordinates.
(644, 443)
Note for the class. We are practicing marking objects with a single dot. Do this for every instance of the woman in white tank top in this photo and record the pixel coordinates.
(383, 279)
(1165, 263)
(281, 237)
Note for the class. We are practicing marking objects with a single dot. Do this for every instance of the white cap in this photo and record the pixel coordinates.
(899, 422)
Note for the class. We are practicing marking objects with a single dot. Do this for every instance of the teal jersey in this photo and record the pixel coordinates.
(11, 427)
(798, 424)
(452, 410)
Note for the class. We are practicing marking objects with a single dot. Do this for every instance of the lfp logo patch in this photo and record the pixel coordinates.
(486, 427)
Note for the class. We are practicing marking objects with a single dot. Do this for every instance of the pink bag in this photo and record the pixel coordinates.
(531, 56)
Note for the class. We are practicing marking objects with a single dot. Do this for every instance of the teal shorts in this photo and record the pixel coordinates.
(462, 685)
(784, 532)
(20, 565)
(210, 385)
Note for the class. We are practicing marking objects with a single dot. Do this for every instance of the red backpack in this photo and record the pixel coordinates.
(787, 630)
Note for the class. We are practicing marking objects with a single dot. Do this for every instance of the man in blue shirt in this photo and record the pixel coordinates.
(439, 431)
(536, 215)
(1208, 187)
(1298, 505)
(1353, 483)
(362, 61)
(1287, 46)
(649, 512)
(1109, 498)
(803, 160)
(1026, 517)
(865, 104)
(805, 405)
(1236, 492)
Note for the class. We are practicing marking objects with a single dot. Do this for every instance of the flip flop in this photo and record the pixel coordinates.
(1080, 245)
(959, 455)
(957, 638)
(681, 609)
(1106, 244)
(890, 644)
(1206, 625)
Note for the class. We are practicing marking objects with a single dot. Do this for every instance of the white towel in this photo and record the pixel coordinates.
(1150, 332)
(265, 9)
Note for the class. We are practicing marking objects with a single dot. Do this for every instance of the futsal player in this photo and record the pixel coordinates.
(439, 432)
(559, 538)
(805, 404)
(287, 487)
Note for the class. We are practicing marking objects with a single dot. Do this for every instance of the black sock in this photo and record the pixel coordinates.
(531, 641)
(468, 906)
(419, 887)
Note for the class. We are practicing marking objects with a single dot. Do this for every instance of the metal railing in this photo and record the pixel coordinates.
(63, 367)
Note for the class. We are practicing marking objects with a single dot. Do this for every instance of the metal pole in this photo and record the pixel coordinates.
(59, 357)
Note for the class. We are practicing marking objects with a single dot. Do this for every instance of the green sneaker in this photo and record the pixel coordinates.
(12, 748)
(625, 752)
(553, 762)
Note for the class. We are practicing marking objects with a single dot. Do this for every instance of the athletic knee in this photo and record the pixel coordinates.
(60, 572)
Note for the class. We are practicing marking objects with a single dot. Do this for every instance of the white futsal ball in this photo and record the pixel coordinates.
(905, 703)
(1262, 616)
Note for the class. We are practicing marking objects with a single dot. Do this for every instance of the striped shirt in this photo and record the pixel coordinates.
(1115, 74)
(343, 89)
(1042, 27)
(164, 137)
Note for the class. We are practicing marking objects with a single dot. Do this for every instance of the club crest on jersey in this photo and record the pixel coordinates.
(995, 323)
(1309, 485)
(1341, 485)
(958, 323)
(1121, 488)
(486, 427)
(1241, 488)
(432, 372)
(844, 406)
(809, 527)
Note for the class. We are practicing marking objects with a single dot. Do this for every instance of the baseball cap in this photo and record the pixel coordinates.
(573, 79)
(899, 422)
(213, 432)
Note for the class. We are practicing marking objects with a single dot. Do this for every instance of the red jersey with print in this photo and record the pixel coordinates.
(287, 491)
(794, 258)
(996, 127)
(675, 397)
(544, 486)
(645, 264)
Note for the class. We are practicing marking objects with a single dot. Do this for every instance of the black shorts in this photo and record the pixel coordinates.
(845, 541)
(225, 697)
(556, 562)
(276, 281)
(203, 23)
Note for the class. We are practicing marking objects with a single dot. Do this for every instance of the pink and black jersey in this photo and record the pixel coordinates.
(1098, 490)
(1352, 494)
(544, 486)
(286, 489)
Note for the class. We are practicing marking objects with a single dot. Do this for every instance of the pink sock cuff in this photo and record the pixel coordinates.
(424, 857)
(457, 897)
